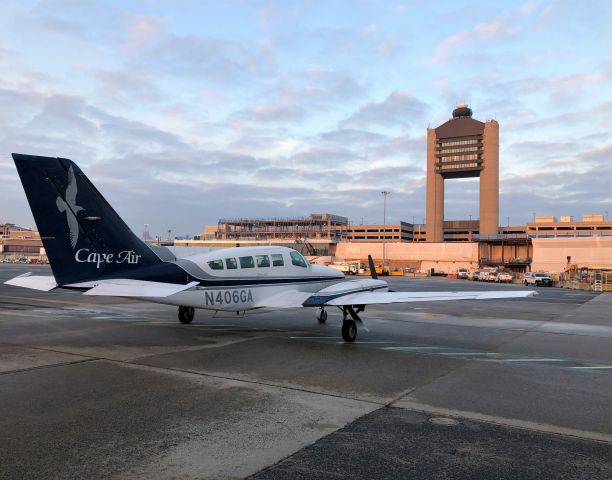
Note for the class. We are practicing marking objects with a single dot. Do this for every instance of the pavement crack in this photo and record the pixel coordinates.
(243, 380)
(41, 367)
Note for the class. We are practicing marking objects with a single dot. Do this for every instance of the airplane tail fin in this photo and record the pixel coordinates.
(84, 238)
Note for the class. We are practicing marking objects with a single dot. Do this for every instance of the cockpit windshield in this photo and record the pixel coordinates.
(298, 260)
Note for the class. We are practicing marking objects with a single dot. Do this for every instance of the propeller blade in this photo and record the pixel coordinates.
(372, 268)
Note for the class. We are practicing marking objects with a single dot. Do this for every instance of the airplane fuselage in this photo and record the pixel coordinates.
(242, 278)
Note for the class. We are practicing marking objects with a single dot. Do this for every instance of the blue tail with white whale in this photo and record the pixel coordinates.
(83, 236)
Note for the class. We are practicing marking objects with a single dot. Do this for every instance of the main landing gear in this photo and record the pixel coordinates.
(349, 325)
(185, 314)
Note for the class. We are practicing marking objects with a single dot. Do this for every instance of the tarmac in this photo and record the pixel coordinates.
(113, 388)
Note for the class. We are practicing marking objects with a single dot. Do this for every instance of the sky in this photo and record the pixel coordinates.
(184, 112)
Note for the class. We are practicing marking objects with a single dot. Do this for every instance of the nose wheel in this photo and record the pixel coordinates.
(185, 314)
(321, 315)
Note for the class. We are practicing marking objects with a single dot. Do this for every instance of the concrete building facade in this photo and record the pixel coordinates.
(460, 148)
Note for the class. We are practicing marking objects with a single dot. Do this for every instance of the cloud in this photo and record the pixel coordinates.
(126, 87)
(64, 115)
(142, 30)
(270, 114)
(207, 59)
(398, 109)
(48, 24)
(352, 136)
(315, 88)
(502, 26)
(319, 156)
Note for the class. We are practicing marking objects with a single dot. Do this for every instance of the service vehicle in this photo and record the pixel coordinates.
(538, 279)
(503, 277)
(346, 268)
(463, 273)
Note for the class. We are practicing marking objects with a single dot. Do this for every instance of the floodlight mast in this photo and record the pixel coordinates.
(384, 262)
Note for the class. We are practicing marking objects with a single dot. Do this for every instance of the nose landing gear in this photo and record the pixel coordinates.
(185, 314)
(321, 315)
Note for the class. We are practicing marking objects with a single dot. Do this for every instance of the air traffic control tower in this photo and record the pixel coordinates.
(460, 148)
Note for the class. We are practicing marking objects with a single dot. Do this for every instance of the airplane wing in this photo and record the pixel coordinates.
(44, 283)
(290, 299)
(369, 298)
(373, 291)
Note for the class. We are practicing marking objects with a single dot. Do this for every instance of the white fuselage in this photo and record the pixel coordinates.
(274, 272)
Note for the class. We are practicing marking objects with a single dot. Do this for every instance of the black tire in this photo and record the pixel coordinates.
(525, 282)
(186, 314)
(322, 316)
(349, 331)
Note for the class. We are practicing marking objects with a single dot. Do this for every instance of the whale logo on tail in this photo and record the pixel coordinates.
(70, 207)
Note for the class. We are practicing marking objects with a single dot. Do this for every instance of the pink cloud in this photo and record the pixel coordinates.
(142, 30)
(502, 26)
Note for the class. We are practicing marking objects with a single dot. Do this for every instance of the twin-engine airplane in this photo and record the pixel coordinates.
(91, 249)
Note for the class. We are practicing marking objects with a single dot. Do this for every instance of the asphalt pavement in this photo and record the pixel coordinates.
(113, 388)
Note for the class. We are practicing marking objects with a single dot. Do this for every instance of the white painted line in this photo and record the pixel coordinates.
(413, 348)
(466, 353)
(533, 360)
(593, 368)
(321, 336)
(361, 342)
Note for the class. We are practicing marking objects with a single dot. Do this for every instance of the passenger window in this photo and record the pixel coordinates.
(298, 260)
(277, 260)
(216, 264)
(262, 260)
(231, 263)
(247, 262)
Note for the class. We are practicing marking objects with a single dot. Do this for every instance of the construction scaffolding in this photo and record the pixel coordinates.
(317, 226)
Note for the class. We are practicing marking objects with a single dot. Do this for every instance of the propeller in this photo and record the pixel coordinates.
(373, 270)
(373, 273)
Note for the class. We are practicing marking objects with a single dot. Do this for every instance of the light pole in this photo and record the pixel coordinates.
(384, 194)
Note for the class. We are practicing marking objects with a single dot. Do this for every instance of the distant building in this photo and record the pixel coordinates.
(21, 243)
(5, 229)
(319, 226)
(548, 226)
(376, 233)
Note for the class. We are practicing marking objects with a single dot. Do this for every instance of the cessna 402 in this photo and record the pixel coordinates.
(92, 250)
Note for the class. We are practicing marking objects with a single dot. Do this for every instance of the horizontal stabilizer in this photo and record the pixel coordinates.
(123, 287)
(367, 298)
(35, 282)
